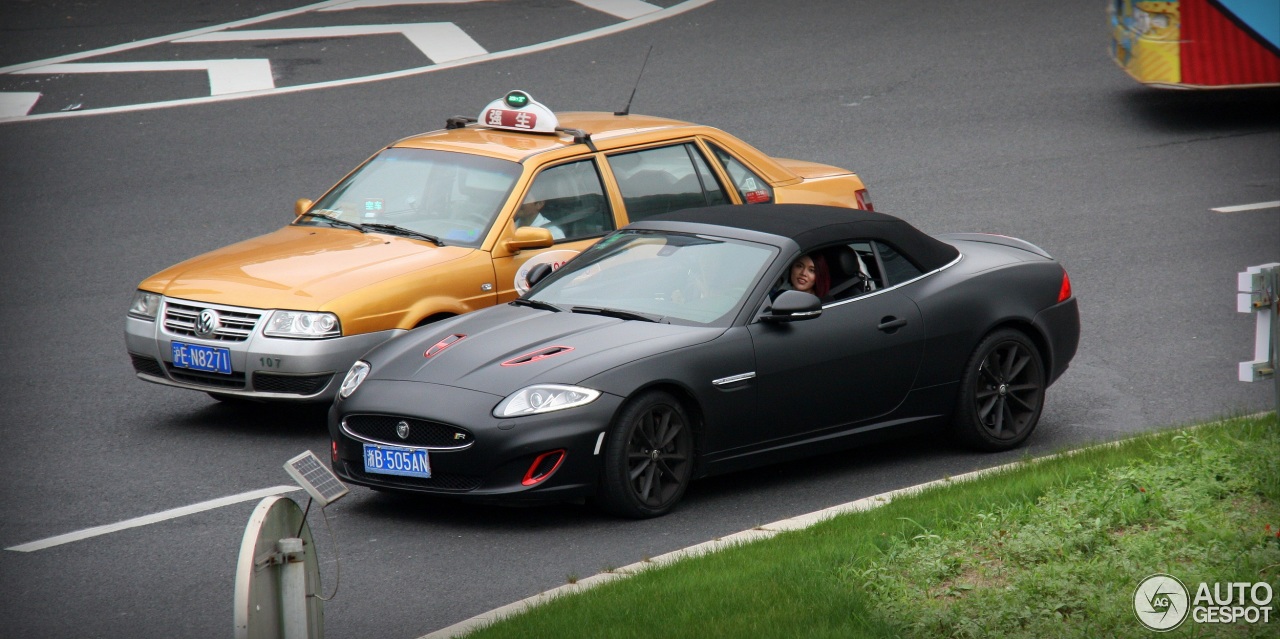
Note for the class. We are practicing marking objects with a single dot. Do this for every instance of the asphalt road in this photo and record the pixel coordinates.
(974, 115)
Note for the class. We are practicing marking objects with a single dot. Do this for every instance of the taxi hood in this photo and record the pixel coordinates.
(505, 348)
(297, 267)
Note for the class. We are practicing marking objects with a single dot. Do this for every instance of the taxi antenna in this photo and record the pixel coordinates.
(627, 110)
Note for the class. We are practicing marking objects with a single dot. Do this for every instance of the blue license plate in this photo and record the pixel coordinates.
(209, 359)
(393, 460)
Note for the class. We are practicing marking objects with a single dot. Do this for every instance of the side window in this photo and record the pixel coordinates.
(568, 200)
(852, 269)
(664, 179)
(751, 187)
(894, 266)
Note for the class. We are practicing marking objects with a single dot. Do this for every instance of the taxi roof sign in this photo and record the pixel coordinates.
(517, 111)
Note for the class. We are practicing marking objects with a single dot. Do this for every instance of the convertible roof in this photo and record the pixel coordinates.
(812, 226)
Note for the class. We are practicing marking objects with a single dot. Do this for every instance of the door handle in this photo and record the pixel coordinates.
(890, 324)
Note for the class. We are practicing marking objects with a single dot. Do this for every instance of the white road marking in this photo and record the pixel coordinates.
(138, 44)
(151, 519)
(16, 105)
(439, 41)
(625, 9)
(1247, 207)
(369, 4)
(225, 76)
(683, 7)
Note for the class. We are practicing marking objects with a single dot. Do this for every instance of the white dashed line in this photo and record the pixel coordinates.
(439, 41)
(151, 519)
(625, 9)
(1247, 207)
(225, 76)
(16, 105)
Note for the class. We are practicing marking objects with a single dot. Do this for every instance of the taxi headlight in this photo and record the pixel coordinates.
(144, 305)
(544, 398)
(301, 325)
(354, 378)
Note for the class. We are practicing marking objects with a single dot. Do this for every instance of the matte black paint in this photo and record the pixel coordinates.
(881, 365)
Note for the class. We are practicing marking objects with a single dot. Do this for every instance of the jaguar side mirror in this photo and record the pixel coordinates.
(792, 306)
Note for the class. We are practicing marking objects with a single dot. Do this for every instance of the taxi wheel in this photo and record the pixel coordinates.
(1001, 393)
(649, 458)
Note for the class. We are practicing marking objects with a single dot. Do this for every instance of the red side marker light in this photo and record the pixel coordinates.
(543, 467)
(443, 344)
(1064, 293)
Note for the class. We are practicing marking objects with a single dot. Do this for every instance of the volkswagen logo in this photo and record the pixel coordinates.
(402, 430)
(207, 323)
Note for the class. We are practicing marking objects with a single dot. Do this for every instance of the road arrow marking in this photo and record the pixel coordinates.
(439, 41)
(225, 76)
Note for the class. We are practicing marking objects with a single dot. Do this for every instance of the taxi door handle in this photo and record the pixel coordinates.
(890, 324)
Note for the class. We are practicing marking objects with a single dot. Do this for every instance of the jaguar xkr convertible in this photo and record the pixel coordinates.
(679, 347)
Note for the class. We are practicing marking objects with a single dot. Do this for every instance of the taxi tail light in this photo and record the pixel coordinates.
(334, 450)
(1064, 292)
(864, 200)
(543, 467)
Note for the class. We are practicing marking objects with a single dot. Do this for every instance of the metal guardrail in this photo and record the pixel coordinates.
(1259, 293)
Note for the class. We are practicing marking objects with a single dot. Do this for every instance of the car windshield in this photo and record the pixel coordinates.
(673, 277)
(451, 196)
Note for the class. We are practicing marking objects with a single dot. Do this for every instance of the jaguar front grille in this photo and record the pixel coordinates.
(418, 432)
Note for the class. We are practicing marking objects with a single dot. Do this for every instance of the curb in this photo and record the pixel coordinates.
(758, 533)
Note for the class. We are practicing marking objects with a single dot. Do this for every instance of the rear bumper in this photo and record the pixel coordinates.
(1060, 324)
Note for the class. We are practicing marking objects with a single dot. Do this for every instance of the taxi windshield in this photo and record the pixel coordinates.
(672, 277)
(451, 196)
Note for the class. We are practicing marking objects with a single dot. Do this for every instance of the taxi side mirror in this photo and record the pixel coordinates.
(301, 206)
(529, 237)
(791, 306)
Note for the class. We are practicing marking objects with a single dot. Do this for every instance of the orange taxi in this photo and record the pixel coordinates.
(432, 226)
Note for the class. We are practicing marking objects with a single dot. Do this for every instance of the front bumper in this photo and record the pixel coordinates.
(264, 368)
(495, 460)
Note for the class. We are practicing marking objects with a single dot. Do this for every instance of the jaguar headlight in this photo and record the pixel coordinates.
(354, 378)
(302, 325)
(544, 398)
(144, 305)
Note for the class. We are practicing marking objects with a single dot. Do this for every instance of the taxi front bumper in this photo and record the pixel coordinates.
(262, 367)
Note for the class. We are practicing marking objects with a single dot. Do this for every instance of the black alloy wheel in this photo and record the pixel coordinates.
(649, 457)
(1001, 393)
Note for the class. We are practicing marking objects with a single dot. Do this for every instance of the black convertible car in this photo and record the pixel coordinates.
(682, 346)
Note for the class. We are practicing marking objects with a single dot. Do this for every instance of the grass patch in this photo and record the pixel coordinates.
(1047, 549)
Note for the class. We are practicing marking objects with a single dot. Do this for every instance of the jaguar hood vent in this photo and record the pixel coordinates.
(527, 358)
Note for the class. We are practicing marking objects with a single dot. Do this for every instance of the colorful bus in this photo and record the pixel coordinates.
(1198, 44)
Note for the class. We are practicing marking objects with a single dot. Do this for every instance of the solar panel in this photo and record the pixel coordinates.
(315, 478)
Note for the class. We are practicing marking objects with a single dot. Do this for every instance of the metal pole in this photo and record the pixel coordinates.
(293, 589)
(1272, 283)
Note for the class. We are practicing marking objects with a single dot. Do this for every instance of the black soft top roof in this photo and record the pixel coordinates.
(813, 226)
